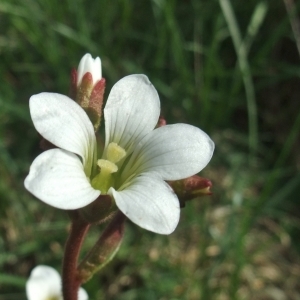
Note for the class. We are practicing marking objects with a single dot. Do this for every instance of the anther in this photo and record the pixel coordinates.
(115, 153)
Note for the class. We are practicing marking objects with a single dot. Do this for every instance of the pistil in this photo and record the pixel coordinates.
(104, 180)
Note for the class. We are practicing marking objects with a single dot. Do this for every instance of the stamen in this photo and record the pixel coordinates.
(104, 180)
(107, 166)
(115, 153)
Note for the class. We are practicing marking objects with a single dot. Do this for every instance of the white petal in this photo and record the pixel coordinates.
(61, 121)
(132, 110)
(44, 283)
(172, 151)
(82, 294)
(81, 68)
(150, 203)
(57, 178)
(88, 64)
(97, 71)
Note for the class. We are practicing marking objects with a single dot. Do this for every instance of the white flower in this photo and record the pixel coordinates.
(44, 283)
(136, 161)
(88, 64)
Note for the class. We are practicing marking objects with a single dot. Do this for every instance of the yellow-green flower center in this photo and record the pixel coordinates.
(54, 298)
(104, 180)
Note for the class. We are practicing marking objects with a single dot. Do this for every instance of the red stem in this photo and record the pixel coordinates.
(70, 281)
(105, 248)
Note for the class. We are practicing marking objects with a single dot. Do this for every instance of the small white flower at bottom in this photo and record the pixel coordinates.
(44, 283)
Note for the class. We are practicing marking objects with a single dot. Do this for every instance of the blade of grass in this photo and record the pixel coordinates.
(255, 23)
(295, 23)
(12, 280)
(275, 175)
(246, 74)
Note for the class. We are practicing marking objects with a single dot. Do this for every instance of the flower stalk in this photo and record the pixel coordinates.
(70, 281)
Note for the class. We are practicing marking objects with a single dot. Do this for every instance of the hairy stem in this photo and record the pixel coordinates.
(70, 281)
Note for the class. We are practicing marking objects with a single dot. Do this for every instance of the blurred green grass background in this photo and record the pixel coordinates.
(230, 67)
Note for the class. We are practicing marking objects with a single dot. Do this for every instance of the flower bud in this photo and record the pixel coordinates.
(89, 65)
(161, 122)
(104, 250)
(88, 86)
(190, 188)
(45, 283)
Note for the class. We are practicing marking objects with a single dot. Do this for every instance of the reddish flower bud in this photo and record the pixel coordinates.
(87, 87)
(84, 90)
(161, 122)
(104, 250)
(95, 103)
(190, 188)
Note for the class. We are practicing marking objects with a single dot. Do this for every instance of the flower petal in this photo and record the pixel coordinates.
(88, 64)
(44, 283)
(150, 203)
(57, 178)
(172, 151)
(65, 124)
(82, 294)
(132, 110)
